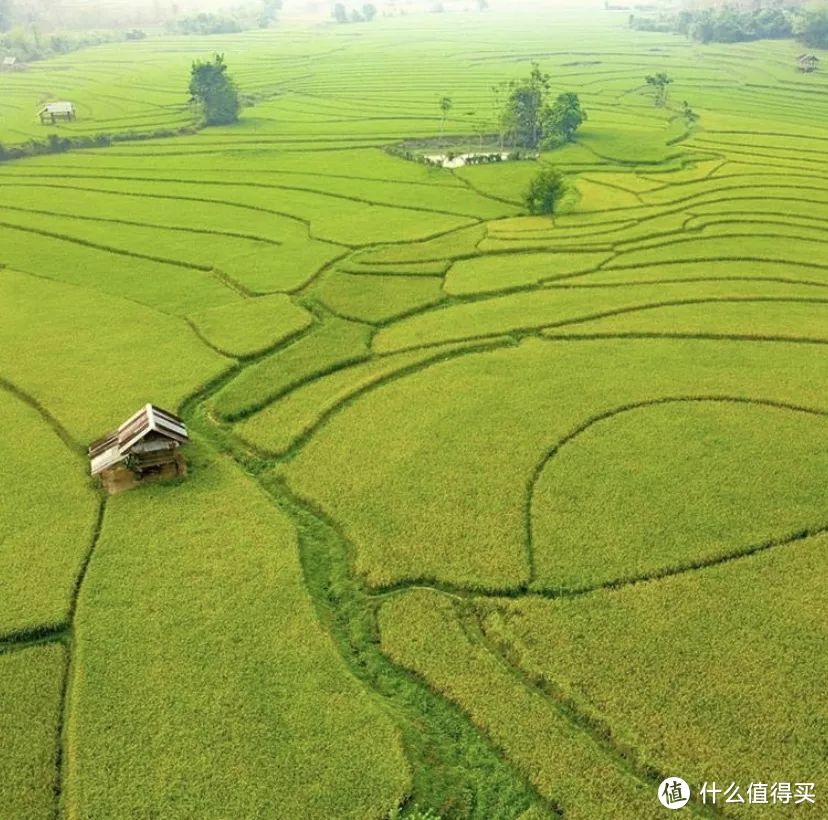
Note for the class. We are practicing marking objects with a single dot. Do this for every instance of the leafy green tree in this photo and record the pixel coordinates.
(214, 92)
(545, 191)
(369, 11)
(724, 25)
(446, 104)
(526, 108)
(356, 17)
(563, 119)
(812, 27)
(659, 83)
(340, 14)
(773, 24)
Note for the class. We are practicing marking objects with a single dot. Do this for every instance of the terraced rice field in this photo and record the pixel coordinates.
(490, 515)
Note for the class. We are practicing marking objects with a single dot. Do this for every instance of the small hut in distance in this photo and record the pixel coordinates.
(54, 111)
(808, 63)
(145, 446)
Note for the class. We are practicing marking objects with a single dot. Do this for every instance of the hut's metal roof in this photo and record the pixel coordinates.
(115, 447)
(57, 108)
(7, 61)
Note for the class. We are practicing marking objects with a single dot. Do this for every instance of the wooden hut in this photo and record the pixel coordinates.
(8, 63)
(52, 112)
(145, 446)
(808, 63)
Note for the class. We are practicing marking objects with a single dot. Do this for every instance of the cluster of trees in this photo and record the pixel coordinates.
(811, 27)
(731, 25)
(213, 92)
(88, 15)
(530, 118)
(205, 23)
(29, 45)
(56, 144)
(342, 15)
(261, 16)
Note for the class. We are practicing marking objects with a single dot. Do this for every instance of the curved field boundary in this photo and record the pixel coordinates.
(688, 565)
(269, 187)
(701, 260)
(519, 332)
(327, 413)
(64, 633)
(107, 248)
(174, 197)
(174, 228)
(62, 433)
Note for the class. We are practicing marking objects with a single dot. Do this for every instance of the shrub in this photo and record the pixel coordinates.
(214, 91)
(545, 191)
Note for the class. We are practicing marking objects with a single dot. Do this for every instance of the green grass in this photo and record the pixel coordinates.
(335, 343)
(442, 494)
(204, 684)
(569, 304)
(680, 484)
(93, 359)
(30, 704)
(377, 298)
(435, 390)
(572, 770)
(740, 245)
(165, 285)
(235, 256)
(487, 274)
(281, 424)
(47, 515)
(782, 319)
(710, 269)
(711, 671)
(252, 326)
(455, 243)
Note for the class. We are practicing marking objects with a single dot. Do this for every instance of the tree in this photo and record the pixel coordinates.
(446, 104)
(214, 92)
(369, 11)
(659, 82)
(545, 191)
(563, 119)
(270, 10)
(812, 28)
(340, 14)
(690, 116)
(773, 24)
(498, 91)
(525, 108)
(356, 17)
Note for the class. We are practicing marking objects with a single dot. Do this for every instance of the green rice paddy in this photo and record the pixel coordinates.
(491, 515)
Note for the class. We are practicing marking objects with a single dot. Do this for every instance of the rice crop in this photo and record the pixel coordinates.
(30, 704)
(487, 514)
